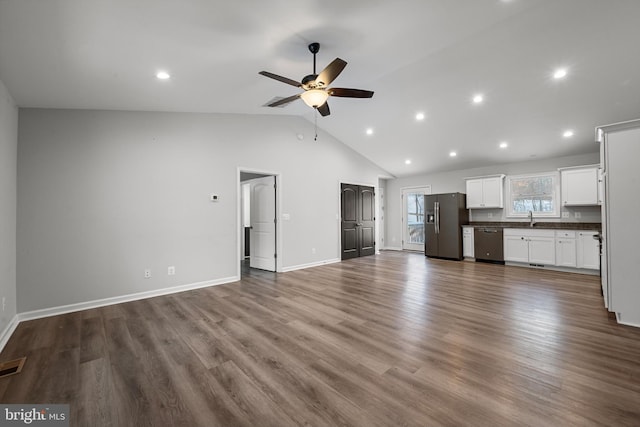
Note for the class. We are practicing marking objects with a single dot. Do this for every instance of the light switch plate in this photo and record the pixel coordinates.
(565, 214)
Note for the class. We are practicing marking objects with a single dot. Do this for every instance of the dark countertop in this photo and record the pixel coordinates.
(542, 225)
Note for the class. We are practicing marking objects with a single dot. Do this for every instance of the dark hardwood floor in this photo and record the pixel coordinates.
(389, 340)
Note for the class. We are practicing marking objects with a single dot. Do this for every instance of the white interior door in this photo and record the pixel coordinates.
(262, 236)
(604, 263)
(604, 266)
(413, 217)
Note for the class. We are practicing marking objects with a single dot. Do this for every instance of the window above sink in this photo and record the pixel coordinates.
(538, 193)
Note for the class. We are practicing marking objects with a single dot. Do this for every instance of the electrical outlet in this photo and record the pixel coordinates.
(313, 250)
(578, 215)
(489, 215)
(171, 271)
(147, 273)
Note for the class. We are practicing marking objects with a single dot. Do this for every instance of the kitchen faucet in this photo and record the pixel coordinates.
(531, 223)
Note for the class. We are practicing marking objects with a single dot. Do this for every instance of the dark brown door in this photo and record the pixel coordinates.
(366, 221)
(358, 221)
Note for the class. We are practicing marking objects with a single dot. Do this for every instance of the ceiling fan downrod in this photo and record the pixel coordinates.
(314, 48)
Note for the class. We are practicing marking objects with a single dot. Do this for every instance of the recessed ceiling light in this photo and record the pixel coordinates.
(453, 154)
(407, 162)
(504, 144)
(420, 116)
(478, 98)
(568, 133)
(369, 131)
(163, 75)
(560, 73)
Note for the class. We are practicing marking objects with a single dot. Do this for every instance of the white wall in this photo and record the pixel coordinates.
(8, 174)
(448, 182)
(104, 195)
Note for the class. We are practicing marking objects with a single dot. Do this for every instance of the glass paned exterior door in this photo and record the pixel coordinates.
(413, 218)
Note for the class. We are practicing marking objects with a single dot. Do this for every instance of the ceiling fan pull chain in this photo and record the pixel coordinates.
(315, 117)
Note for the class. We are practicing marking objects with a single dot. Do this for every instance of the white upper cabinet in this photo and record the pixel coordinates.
(580, 186)
(474, 193)
(485, 192)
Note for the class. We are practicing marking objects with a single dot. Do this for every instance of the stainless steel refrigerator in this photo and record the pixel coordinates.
(445, 214)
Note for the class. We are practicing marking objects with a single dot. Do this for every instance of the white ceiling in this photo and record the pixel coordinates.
(417, 55)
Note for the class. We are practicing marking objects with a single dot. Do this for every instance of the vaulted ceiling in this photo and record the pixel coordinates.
(419, 56)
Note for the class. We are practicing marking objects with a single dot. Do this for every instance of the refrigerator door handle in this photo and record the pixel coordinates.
(436, 209)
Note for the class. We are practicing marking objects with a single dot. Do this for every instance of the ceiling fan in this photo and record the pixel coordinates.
(316, 90)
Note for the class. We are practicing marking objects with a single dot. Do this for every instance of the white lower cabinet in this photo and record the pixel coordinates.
(542, 250)
(530, 246)
(516, 247)
(561, 248)
(467, 242)
(566, 254)
(588, 253)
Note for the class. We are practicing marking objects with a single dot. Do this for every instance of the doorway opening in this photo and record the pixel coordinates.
(259, 229)
(413, 236)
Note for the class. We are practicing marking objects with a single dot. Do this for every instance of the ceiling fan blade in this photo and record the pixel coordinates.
(332, 71)
(284, 101)
(350, 93)
(324, 109)
(280, 78)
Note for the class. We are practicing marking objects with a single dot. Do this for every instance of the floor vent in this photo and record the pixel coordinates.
(11, 367)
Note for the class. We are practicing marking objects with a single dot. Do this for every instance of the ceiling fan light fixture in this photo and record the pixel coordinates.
(314, 98)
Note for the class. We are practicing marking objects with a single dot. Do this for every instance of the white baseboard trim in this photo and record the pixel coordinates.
(554, 268)
(392, 248)
(54, 311)
(311, 264)
(621, 321)
(8, 331)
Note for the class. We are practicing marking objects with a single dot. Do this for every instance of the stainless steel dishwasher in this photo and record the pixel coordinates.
(488, 244)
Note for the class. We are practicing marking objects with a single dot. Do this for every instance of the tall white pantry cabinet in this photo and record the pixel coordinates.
(619, 154)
